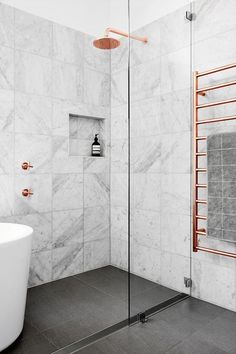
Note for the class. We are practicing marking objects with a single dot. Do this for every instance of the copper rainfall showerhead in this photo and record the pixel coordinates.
(111, 43)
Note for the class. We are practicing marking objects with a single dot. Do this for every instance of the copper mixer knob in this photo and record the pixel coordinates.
(26, 192)
(26, 165)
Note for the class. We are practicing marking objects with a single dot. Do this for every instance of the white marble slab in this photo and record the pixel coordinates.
(96, 254)
(96, 223)
(119, 253)
(96, 88)
(33, 74)
(33, 34)
(68, 227)
(7, 195)
(7, 25)
(145, 191)
(119, 223)
(6, 111)
(96, 189)
(67, 261)
(67, 191)
(6, 68)
(33, 114)
(6, 153)
(40, 268)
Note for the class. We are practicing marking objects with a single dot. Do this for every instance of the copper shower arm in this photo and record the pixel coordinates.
(124, 34)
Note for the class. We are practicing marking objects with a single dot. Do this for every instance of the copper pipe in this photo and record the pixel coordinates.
(201, 138)
(201, 154)
(215, 120)
(201, 217)
(214, 87)
(221, 253)
(201, 201)
(199, 232)
(216, 70)
(124, 34)
(218, 103)
(201, 185)
(201, 170)
(201, 93)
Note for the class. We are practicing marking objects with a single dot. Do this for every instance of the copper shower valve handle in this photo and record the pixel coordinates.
(27, 192)
(26, 165)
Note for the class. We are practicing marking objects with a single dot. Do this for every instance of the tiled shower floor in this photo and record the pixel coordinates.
(70, 309)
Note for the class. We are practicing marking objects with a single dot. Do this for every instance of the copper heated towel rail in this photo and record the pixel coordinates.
(197, 154)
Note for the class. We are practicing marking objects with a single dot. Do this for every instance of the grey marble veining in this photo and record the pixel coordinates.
(6, 68)
(33, 114)
(68, 227)
(33, 34)
(96, 189)
(6, 111)
(7, 195)
(96, 88)
(67, 191)
(68, 44)
(96, 223)
(7, 25)
(40, 268)
(146, 155)
(7, 153)
(96, 254)
(33, 74)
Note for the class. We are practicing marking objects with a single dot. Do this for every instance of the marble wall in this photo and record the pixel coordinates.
(161, 134)
(46, 72)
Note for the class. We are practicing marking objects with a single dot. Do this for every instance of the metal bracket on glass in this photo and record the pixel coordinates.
(189, 15)
(142, 317)
(187, 282)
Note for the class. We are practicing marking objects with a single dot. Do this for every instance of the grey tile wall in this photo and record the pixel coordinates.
(48, 71)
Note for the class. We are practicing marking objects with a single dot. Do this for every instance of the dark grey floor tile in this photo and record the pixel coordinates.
(67, 299)
(114, 281)
(74, 330)
(36, 344)
(149, 298)
(195, 346)
(102, 347)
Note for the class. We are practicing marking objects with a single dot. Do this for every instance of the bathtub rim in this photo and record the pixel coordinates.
(16, 232)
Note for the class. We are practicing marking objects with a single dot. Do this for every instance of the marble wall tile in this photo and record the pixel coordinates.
(7, 25)
(119, 156)
(7, 195)
(96, 223)
(67, 261)
(119, 189)
(175, 153)
(86, 128)
(96, 88)
(175, 193)
(119, 56)
(68, 44)
(96, 165)
(173, 270)
(96, 189)
(67, 81)
(119, 253)
(146, 117)
(34, 148)
(119, 122)
(40, 268)
(220, 280)
(96, 254)
(33, 74)
(146, 154)
(145, 191)
(175, 71)
(62, 161)
(40, 201)
(146, 228)
(175, 233)
(145, 80)
(33, 114)
(68, 227)
(142, 52)
(175, 110)
(41, 224)
(6, 68)
(119, 88)
(33, 34)
(221, 18)
(6, 153)
(175, 31)
(6, 111)
(94, 58)
(119, 223)
(145, 261)
(206, 53)
(67, 191)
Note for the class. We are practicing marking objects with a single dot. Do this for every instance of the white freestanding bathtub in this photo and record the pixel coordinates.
(15, 250)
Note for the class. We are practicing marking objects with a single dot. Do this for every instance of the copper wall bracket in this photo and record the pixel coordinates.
(26, 192)
(26, 165)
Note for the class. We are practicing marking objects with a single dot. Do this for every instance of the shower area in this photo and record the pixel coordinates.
(115, 235)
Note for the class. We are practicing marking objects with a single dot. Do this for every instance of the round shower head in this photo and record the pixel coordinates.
(106, 43)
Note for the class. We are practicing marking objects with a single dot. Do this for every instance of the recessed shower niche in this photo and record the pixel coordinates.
(82, 130)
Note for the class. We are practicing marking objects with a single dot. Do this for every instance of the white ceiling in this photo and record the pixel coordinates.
(93, 16)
